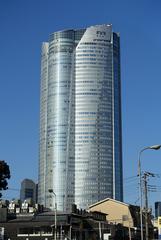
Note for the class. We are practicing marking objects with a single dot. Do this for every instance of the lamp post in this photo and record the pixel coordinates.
(154, 147)
(55, 233)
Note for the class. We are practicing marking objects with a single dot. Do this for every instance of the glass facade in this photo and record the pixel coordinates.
(43, 124)
(80, 118)
(28, 190)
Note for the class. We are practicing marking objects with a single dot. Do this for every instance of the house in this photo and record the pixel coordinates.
(122, 213)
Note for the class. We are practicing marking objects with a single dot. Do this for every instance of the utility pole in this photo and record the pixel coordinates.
(145, 179)
(146, 205)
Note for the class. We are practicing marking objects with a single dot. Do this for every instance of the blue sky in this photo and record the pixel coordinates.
(26, 24)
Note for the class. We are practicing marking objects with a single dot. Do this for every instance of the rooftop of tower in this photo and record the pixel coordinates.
(72, 33)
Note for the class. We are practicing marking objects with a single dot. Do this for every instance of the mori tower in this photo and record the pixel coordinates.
(80, 156)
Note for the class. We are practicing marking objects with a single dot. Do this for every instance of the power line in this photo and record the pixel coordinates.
(14, 189)
(127, 178)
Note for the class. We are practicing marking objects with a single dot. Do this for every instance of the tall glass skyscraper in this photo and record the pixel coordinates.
(80, 118)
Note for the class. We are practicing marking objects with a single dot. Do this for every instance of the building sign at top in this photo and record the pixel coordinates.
(101, 33)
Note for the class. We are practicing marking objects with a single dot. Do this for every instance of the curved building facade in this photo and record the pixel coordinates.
(80, 118)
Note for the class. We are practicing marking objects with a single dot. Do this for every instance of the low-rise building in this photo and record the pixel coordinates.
(108, 219)
(122, 213)
(34, 223)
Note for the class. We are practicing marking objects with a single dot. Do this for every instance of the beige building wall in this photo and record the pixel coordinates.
(117, 212)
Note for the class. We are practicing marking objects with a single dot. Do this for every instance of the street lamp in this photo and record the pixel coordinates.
(154, 147)
(55, 233)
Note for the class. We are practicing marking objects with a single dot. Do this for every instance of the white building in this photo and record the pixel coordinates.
(80, 118)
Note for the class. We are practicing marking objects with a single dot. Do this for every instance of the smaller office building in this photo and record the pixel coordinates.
(157, 209)
(28, 190)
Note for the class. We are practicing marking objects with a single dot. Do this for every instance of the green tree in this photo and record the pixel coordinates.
(4, 175)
